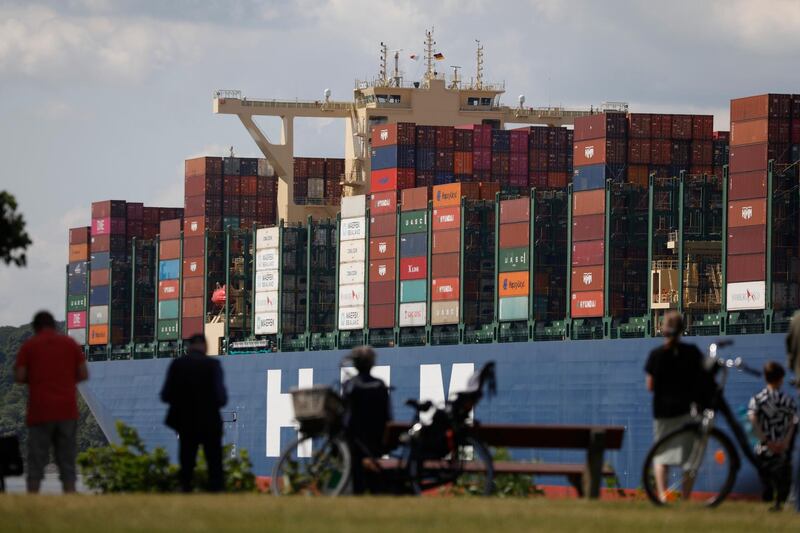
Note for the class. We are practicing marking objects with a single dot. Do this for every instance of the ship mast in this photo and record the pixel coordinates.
(397, 81)
(429, 44)
(479, 72)
(384, 78)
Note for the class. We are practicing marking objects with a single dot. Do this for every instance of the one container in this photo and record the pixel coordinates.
(77, 302)
(588, 228)
(588, 253)
(587, 304)
(382, 248)
(413, 268)
(413, 314)
(747, 240)
(169, 249)
(446, 218)
(169, 269)
(589, 178)
(167, 329)
(590, 278)
(78, 252)
(381, 316)
(752, 212)
(267, 238)
(99, 277)
(413, 291)
(382, 270)
(98, 335)
(444, 242)
(193, 247)
(191, 326)
(415, 199)
(98, 314)
(513, 259)
(353, 228)
(266, 324)
(78, 335)
(268, 259)
(413, 222)
(445, 289)
(192, 287)
(749, 158)
(170, 229)
(746, 295)
(168, 289)
(383, 225)
(353, 206)
(351, 273)
(383, 180)
(192, 307)
(413, 245)
(351, 318)
(350, 251)
(444, 313)
(512, 284)
(383, 203)
(266, 302)
(746, 185)
(381, 293)
(590, 152)
(168, 309)
(351, 295)
(588, 202)
(513, 308)
(394, 133)
(751, 267)
(76, 319)
(518, 210)
(445, 265)
(514, 235)
(267, 280)
(451, 194)
(193, 266)
(99, 295)
(101, 260)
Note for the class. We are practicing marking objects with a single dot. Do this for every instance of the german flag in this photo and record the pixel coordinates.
(438, 56)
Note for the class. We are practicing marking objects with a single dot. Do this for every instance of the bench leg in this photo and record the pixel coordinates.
(576, 480)
(594, 464)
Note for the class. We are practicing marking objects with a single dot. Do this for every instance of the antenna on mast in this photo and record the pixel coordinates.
(396, 76)
(456, 82)
(429, 43)
(479, 73)
(384, 74)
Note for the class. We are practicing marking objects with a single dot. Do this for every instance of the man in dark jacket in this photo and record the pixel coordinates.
(195, 391)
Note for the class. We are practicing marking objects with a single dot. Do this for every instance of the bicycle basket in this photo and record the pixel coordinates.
(316, 408)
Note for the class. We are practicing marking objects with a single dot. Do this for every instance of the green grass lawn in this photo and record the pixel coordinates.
(174, 513)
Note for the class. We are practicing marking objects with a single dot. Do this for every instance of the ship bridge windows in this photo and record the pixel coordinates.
(388, 98)
(479, 101)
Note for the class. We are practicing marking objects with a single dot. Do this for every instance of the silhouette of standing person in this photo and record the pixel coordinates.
(195, 391)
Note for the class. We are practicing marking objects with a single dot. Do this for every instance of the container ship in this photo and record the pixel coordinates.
(454, 231)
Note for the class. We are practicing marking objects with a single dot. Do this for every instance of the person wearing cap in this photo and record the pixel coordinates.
(368, 410)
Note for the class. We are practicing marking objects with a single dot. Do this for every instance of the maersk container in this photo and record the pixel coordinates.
(266, 323)
(513, 308)
(267, 238)
(745, 296)
(351, 251)
(169, 269)
(351, 273)
(351, 318)
(353, 228)
(267, 280)
(266, 302)
(168, 309)
(413, 291)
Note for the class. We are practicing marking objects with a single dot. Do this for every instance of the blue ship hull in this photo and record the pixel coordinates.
(569, 382)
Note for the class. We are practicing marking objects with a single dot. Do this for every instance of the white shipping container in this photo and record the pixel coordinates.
(444, 313)
(316, 188)
(98, 314)
(352, 251)
(267, 259)
(351, 273)
(746, 295)
(354, 206)
(267, 302)
(266, 323)
(353, 228)
(268, 280)
(267, 238)
(265, 169)
(351, 318)
(351, 295)
(413, 314)
(78, 335)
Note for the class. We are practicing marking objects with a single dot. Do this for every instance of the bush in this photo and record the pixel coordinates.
(129, 467)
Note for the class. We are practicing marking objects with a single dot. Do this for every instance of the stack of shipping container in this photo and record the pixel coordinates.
(169, 280)
(317, 180)
(424, 155)
(549, 157)
(445, 149)
(413, 263)
(78, 283)
(293, 283)
(352, 262)
(549, 259)
(322, 282)
(513, 260)
(267, 281)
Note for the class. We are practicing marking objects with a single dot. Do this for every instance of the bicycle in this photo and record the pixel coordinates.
(433, 454)
(705, 457)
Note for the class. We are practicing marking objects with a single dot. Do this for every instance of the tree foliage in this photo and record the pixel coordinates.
(14, 240)
(129, 467)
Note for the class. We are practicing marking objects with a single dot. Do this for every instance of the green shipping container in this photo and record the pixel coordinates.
(413, 291)
(76, 302)
(168, 309)
(414, 222)
(514, 308)
(168, 329)
(513, 259)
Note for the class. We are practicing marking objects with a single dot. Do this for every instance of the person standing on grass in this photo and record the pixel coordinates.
(773, 415)
(675, 376)
(52, 365)
(793, 360)
(195, 391)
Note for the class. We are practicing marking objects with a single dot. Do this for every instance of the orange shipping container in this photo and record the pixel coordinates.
(747, 213)
(587, 304)
(462, 163)
(444, 289)
(99, 278)
(445, 242)
(451, 194)
(639, 175)
(78, 252)
(590, 278)
(589, 202)
(749, 132)
(169, 250)
(513, 284)
(98, 334)
(446, 218)
(168, 289)
(589, 152)
(192, 307)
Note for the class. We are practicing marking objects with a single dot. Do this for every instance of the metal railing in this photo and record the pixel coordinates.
(276, 103)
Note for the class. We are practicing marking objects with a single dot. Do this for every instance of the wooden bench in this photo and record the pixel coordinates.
(584, 477)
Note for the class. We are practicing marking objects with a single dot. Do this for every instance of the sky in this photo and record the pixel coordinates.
(104, 99)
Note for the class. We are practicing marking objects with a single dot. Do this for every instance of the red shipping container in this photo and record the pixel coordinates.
(192, 307)
(557, 180)
(702, 152)
(168, 289)
(639, 125)
(200, 166)
(415, 198)
(761, 106)
(382, 270)
(383, 203)
(639, 151)
(99, 278)
(383, 180)
(591, 152)
(488, 189)
(382, 248)
(381, 293)
(444, 242)
(381, 316)
(391, 134)
(752, 212)
(192, 326)
(591, 278)
(587, 304)
(202, 185)
(538, 180)
(751, 267)
(748, 158)
(660, 152)
(514, 235)
(462, 163)
(589, 202)
(170, 229)
(702, 127)
(519, 140)
(747, 240)
(194, 227)
(661, 126)
(193, 287)
(445, 265)
(193, 267)
(248, 185)
(446, 218)
(109, 208)
(744, 185)
(518, 210)
(79, 235)
(169, 249)
(588, 253)
(406, 178)
(383, 225)
(443, 289)
(588, 228)
(413, 268)
(444, 137)
(194, 246)
(682, 127)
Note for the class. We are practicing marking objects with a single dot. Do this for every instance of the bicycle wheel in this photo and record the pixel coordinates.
(326, 472)
(697, 467)
(468, 470)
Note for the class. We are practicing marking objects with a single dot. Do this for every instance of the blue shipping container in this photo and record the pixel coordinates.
(426, 159)
(99, 295)
(169, 269)
(101, 260)
(501, 140)
(588, 178)
(78, 268)
(77, 285)
(394, 156)
(413, 245)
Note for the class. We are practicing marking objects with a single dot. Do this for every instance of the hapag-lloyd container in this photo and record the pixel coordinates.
(512, 284)
(381, 316)
(382, 248)
(78, 335)
(588, 253)
(266, 323)
(747, 240)
(98, 335)
(752, 212)
(354, 206)
(266, 302)
(588, 228)
(351, 295)
(267, 280)
(413, 291)
(751, 267)
(444, 289)
(351, 318)
(413, 245)
(351, 251)
(383, 203)
(413, 268)
(268, 259)
(413, 314)
(108, 226)
(513, 259)
(402, 133)
(267, 238)
(513, 308)
(444, 313)
(446, 218)
(451, 194)
(514, 235)
(382, 270)
(587, 304)
(518, 210)
(351, 273)
(353, 229)
(589, 278)
(745, 296)
(76, 319)
(446, 242)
